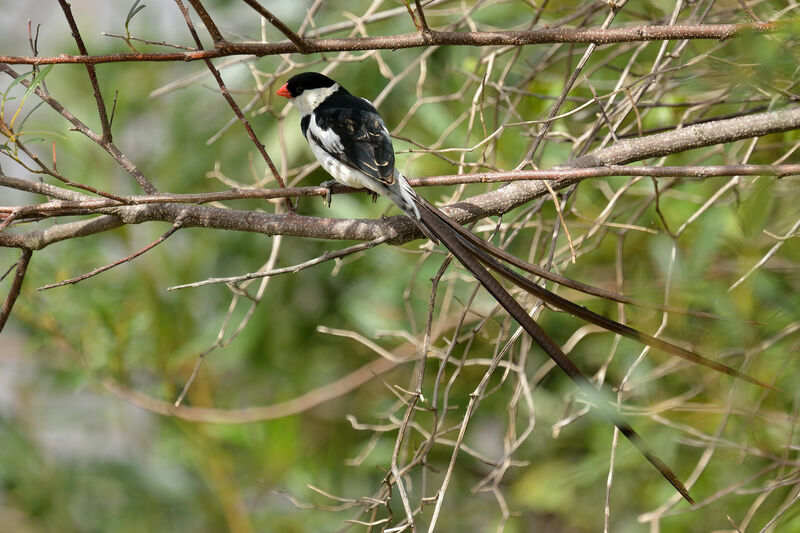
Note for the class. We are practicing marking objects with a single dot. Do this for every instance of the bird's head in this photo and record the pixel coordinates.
(308, 90)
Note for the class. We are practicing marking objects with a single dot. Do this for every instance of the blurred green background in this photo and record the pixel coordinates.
(76, 456)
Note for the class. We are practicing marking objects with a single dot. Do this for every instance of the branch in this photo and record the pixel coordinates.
(208, 22)
(658, 145)
(104, 143)
(175, 227)
(400, 229)
(16, 285)
(293, 269)
(298, 41)
(597, 36)
(72, 204)
(696, 136)
(98, 96)
(294, 406)
(36, 240)
(226, 93)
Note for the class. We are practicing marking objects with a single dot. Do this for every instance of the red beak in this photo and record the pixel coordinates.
(283, 91)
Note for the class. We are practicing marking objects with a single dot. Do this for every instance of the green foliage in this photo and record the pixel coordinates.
(76, 455)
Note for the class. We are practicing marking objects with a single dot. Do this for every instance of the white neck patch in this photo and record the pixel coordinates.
(308, 101)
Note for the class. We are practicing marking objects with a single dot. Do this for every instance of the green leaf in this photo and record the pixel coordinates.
(17, 80)
(37, 80)
(30, 113)
(132, 12)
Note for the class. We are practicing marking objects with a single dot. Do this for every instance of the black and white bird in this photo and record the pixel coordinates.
(350, 140)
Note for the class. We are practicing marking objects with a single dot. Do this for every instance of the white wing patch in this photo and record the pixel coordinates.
(329, 140)
(340, 172)
(397, 189)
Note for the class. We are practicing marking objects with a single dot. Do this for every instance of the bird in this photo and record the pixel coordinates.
(350, 140)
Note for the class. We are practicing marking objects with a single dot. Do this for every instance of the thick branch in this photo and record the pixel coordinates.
(672, 142)
(400, 229)
(691, 137)
(36, 240)
(597, 36)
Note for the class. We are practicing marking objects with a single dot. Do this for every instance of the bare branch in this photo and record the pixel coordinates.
(231, 102)
(298, 41)
(208, 22)
(400, 229)
(16, 286)
(175, 227)
(327, 256)
(76, 204)
(255, 414)
(106, 144)
(98, 95)
(596, 36)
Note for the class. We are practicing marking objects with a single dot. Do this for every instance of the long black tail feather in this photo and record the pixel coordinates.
(466, 255)
(564, 281)
(486, 254)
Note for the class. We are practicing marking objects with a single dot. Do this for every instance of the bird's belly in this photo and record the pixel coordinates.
(340, 172)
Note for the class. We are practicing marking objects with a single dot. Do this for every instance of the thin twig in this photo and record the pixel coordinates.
(293, 269)
(208, 22)
(98, 95)
(146, 41)
(228, 98)
(175, 227)
(238, 290)
(298, 41)
(424, 23)
(16, 285)
(52, 171)
(771, 252)
(104, 143)
(304, 402)
(556, 108)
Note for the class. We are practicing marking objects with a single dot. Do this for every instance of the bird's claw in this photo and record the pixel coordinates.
(328, 185)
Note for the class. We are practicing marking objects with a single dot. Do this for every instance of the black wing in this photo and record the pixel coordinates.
(352, 131)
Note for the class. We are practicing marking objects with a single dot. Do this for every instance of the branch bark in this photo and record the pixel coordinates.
(16, 286)
(598, 36)
(399, 229)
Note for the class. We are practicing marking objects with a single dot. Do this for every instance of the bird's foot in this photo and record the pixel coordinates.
(328, 185)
